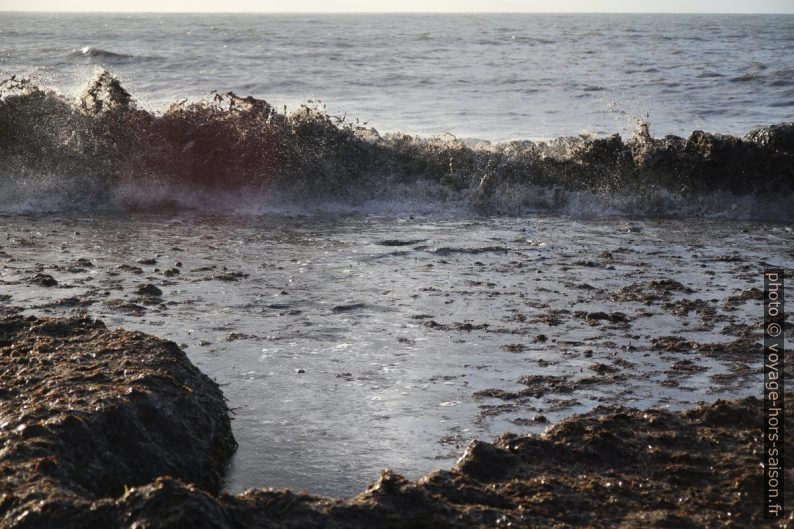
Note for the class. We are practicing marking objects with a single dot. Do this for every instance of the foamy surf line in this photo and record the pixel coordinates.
(239, 154)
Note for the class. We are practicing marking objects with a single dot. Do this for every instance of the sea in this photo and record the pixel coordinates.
(495, 77)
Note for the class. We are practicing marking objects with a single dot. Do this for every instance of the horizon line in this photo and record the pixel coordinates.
(34, 11)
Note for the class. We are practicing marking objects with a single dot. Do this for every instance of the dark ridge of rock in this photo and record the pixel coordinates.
(107, 428)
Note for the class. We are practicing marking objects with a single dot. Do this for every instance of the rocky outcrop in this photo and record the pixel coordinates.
(87, 413)
(105, 428)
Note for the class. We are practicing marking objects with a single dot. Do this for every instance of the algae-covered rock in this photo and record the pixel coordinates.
(87, 413)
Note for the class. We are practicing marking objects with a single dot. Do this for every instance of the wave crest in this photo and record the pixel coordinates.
(101, 55)
(230, 152)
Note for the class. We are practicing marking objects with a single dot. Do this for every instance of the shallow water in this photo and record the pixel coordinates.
(496, 77)
(347, 344)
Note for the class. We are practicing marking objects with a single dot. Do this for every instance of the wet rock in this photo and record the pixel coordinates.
(672, 344)
(552, 318)
(43, 280)
(593, 318)
(89, 412)
(229, 276)
(348, 308)
(398, 242)
(686, 367)
(604, 369)
(743, 349)
(537, 419)
(72, 302)
(683, 307)
(485, 462)
(742, 329)
(241, 336)
(137, 270)
(746, 295)
(459, 326)
(471, 251)
(125, 307)
(651, 291)
(148, 290)
(538, 386)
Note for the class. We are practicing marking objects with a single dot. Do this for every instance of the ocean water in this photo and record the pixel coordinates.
(495, 77)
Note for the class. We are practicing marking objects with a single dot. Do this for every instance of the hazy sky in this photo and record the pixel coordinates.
(669, 6)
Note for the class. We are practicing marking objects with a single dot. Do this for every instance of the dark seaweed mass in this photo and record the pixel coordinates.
(106, 428)
(86, 413)
(103, 144)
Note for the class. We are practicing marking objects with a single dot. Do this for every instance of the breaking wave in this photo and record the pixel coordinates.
(239, 153)
(100, 55)
(90, 51)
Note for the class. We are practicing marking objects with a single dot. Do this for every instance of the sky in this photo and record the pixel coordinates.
(340, 6)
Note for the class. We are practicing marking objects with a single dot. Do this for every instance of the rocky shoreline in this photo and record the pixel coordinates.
(110, 428)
